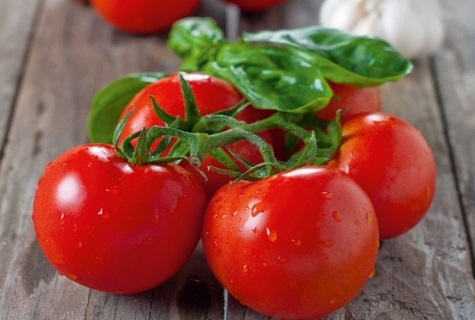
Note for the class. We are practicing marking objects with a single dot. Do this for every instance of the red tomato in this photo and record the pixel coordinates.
(212, 95)
(255, 5)
(299, 244)
(113, 226)
(143, 16)
(394, 164)
(351, 100)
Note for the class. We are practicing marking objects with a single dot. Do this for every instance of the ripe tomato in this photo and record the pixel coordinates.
(143, 16)
(299, 244)
(394, 164)
(352, 100)
(113, 226)
(255, 5)
(212, 95)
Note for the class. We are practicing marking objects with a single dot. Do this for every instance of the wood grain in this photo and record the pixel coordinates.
(48, 80)
(454, 75)
(17, 22)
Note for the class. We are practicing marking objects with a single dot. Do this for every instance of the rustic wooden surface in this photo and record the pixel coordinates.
(55, 54)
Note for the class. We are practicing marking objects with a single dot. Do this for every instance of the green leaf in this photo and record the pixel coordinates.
(111, 100)
(195, 41)
(272, 77)
(340, 56)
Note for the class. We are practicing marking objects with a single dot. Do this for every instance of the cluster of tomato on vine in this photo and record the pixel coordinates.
(273, 150)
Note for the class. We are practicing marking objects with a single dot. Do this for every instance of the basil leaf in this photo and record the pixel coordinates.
(271, 77)
(195, 41)
(340, 56)
(111, 100)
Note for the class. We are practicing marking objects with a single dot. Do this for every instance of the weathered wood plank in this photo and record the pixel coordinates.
(16, 24)
(454, 69)
(73, 55)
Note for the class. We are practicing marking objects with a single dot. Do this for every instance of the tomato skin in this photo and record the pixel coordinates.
(144, 16)
(299, 244)
(112, 226)
(352, 101)
(393, 163)
(255, 5)
(212, 95)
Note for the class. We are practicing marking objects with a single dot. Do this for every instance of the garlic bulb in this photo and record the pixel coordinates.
(413, 27)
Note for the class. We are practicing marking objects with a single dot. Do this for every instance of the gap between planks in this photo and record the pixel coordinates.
(451, 156)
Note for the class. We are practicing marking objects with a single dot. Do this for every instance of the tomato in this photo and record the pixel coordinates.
(351, 100)
(299, 244)
(393, 163)
(212, 95)
(143, 16)
(116, 227)
(255, 5)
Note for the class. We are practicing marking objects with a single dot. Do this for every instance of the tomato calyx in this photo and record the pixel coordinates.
(196, 136)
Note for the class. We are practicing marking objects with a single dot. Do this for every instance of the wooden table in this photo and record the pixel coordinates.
(55, 54)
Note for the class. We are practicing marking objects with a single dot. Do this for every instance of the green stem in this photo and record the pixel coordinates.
(277, 120)
(199, 145)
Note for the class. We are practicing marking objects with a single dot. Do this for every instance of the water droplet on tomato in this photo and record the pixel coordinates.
(327, 195)
(223, 216)
(216, 240)
(271, 235)
(337, 216)
(296, 242)
(72, 276)
(369, 217)
(258, 208)
(234, 213)
(245, 268)
(372, 273)
(254, 229)
(215, 216)
(281, 259)
(61, 219)
(101, 211)
(79, 244)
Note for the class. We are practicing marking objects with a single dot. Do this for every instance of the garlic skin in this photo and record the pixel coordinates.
(413, 27)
